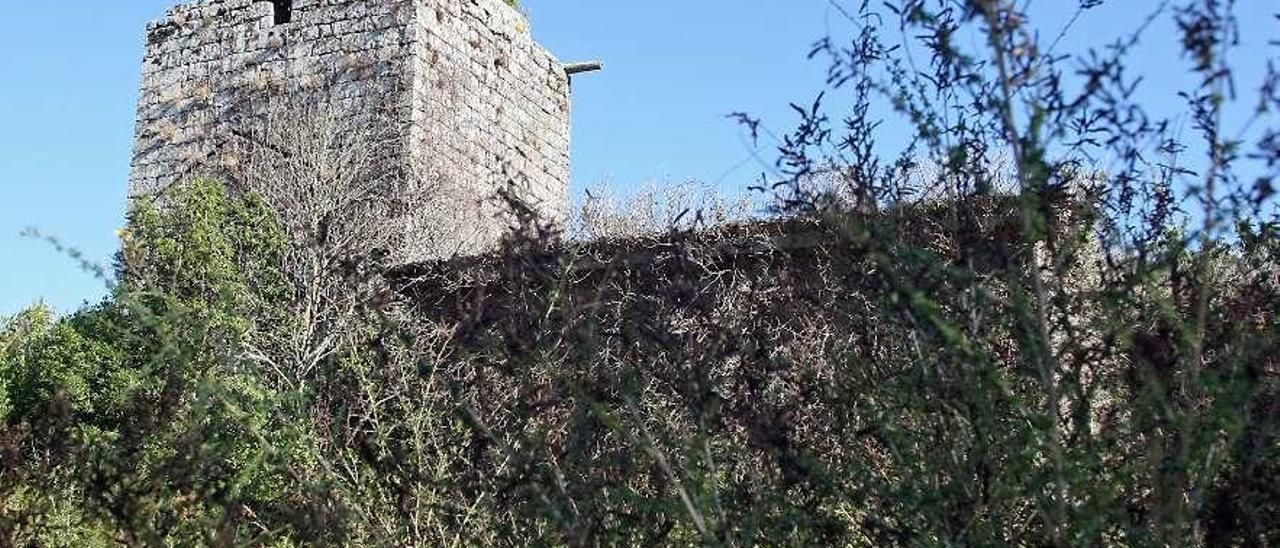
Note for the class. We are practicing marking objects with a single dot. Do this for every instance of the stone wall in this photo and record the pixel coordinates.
(471, 102)
(490, 108)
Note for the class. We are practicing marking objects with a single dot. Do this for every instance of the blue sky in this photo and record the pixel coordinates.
(674, 69)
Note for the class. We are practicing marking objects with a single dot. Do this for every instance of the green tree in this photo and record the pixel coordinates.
(140, 417)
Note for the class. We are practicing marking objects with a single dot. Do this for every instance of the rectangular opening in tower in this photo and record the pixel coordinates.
(283, 10)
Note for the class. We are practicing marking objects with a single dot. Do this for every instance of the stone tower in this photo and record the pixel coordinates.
(474, 104)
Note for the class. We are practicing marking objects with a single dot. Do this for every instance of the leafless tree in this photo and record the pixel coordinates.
(327, 177)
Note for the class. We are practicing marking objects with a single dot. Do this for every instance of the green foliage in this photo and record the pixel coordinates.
(216, 256)
(43, 359)
(150, 426)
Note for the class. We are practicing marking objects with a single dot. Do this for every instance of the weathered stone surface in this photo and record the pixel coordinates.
(474, 103)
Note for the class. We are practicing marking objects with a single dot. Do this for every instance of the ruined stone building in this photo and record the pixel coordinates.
(474, 105)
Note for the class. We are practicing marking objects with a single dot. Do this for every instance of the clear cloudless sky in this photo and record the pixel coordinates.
(674, 70)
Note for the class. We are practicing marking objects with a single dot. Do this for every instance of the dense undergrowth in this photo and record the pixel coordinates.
(837, 380)
(988, 340)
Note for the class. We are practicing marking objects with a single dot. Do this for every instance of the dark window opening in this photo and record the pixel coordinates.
(284, 11)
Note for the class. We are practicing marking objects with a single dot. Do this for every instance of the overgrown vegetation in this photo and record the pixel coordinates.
(990, 338)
